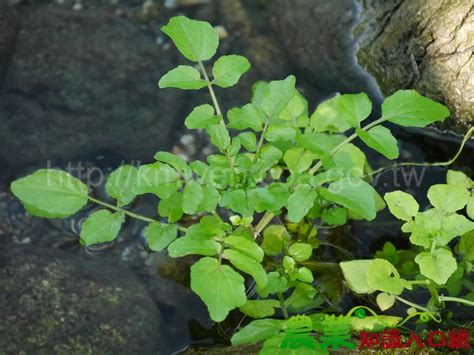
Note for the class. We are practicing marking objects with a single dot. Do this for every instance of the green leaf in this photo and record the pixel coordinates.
(196, 40)
(466, 246)
(172, 207)
(274, 239)
(305, 275)
(50, 193)
(260, 308)
(410, 109)
(470, 207)
(176, 162)
(452, 226)
(160, 235)
(380, 139)
(277, 133)
(385, 301)
(437, 266)
(335, 216)
(355, 274)
(458, 178)
(202, 117)
(249, 116)
(158, 178)
(245, 246)
(227, 291)
(100, 227)
(300, 251)
(427, 225)
(276, 283)
(300, 202)
(236, 200)
(354, 194)
(182, 77)
(374, 323)
(271, 198)
(247, 265)
(298, 160)
(301, 297)
(211, 198)
(276, 95)
(448, 198)
(353, 108)
(296, 107)
(328, 118)
(120, 183)
(383, 276)
(192, 197)
(186, 246)
(219, 135)
(402, 205)
(228, 69)
(248, 141)
(257, 331)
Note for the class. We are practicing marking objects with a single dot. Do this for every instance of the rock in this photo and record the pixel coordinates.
(8, 34)
(84, 82)
(426, 45)
(54, 302)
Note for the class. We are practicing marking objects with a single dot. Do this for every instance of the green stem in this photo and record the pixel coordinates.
(434, 293)
(411, 304)
(456, 299)
(216, 215)
(419, 282)
(267, 217)
(349, 139)
(128, 213)
(260, 142)
(211, 90)
(283, 307)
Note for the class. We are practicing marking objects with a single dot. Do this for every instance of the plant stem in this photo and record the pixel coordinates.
(456, 299)
(419, 282)
(128, 213)
(411, 304)
(211, 90)
(283, 307)
(260, 142)
(348, 140)
(267, 217)
(434, 293)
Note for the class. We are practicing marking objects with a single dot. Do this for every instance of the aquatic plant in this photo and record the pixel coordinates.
(279, 175)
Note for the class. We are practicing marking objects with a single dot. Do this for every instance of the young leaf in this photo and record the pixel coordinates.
(335, 216)
(274, 239)
(100, 227)
(448, 198)
(236, 200)
(300, 251)
(202, 117)
(458, 178)
(300, 202)
(196, 40)
(270, 198)
(276, 95)
(305, 275)
(211, 198)
(354, 194)
(260, 308)
(249, 116)
(120, 183)
(401, 205)
(327, 117)
(383, 276)
(176, 162)
(182, 77)
(277, 133)
(186, 246)
(248, 141)
(247, 265)
(408, 108)
(172, 207)
(353, 108)
(50, 193)
(301, 297)
(296, 107)
(355, 274)
(437, 266)
(160, 235)
(228, 69)
(158, 178)
(227, 291)
(380, 139)
(245, 246)
(258, 330)
(452, 226)
(219, 135)
(385, 301)
(298, 160)
(192, 197)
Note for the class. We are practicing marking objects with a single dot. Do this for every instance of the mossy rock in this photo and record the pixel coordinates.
(54, 302)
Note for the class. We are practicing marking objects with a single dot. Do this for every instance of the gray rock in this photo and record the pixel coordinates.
(8, 34)
(54, 302)
(426, 45)
(84, 82)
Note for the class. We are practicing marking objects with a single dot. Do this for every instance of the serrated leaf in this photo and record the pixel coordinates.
(383, 276)
(354, 194)
(380, 139)
(182, 77)
(101, 227)
(245, 246)
(50, 193)
(192, 197)
(120, 183)
(260, 308)
(437, 266)
(227, 291)
(408, 108)
(186, 246)
(228, 69)
(448, 198)
(257, 331)
(355, 274)
(402, 205)
(353, 108)
(327, 117)
(275, 96)
(385, 301)
(247, 265)
(196, 40)
(202, 117)
(300, 251)
(300, 202)
(249, 116)
(160, 235)
(296, 107)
